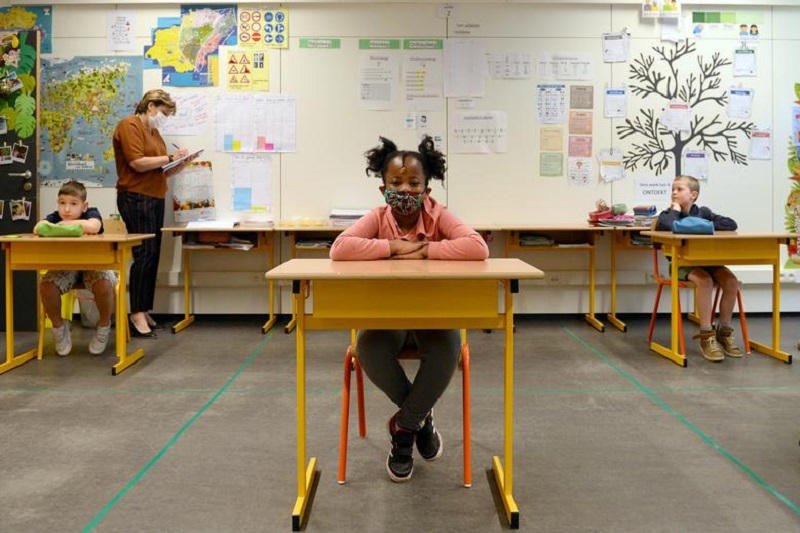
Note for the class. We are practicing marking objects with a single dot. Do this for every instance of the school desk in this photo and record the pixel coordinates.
(621, 242)
(458, 294)
(90, 252)
(579, 238)
(189, 237)
(723, 248)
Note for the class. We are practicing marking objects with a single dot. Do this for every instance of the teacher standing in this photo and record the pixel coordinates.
(140, 152)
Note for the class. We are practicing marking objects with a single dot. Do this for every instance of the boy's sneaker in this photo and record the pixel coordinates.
(63, 339)
(429, 441)
(400, 462)
(98, 343)
(727, 342)
(709, 347)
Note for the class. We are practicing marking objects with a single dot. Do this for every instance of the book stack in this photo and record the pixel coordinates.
(644, 215)
(346, 217)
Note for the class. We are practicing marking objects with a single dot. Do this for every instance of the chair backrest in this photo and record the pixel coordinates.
(113, 226)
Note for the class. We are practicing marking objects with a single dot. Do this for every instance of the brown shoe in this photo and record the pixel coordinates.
(709, 347)
(726, 341)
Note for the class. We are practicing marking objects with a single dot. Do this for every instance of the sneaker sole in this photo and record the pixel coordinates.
(707, 358)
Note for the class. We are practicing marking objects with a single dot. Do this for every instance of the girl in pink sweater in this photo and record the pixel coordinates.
(411, 225)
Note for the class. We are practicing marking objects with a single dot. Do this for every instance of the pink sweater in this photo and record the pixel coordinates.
(448, 236)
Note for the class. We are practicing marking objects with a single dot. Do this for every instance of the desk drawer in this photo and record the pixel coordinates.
(405, 298)
(58, 253)
(730, 251)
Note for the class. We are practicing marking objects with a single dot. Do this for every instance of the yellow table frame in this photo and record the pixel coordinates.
(589, 234)
(458, 294)
(265, 243)
(621, 241)
(91, 252)
(723, 248)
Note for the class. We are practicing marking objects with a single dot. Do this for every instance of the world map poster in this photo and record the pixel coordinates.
(83, 99)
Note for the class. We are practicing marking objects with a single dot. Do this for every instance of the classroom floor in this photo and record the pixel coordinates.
(199, 436)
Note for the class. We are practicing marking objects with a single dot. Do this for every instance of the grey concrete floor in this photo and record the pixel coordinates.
(199, 436)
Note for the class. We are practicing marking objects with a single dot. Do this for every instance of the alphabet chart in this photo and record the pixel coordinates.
(479, 132)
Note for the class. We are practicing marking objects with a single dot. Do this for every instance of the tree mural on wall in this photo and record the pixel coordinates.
(657, 75)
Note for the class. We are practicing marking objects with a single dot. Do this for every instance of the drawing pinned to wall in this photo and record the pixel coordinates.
(649, 75)
(30, 17)
(19, 152)
(193, 115)
(792, 218)
(188, 51)
(651, 9)
(193, 192)
(5, 154)
(579, 171)
(83, 99)
(479, 132)
(20, 209)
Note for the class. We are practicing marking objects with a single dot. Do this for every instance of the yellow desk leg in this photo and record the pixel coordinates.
(612, 317)
(293, 322)
(590, 318)
(672, 352)
(270, 263)
(305, 475)
(188, 318)
(775, 349)
(12, 361)
(272, 319)
(123, 359)
(503, 476)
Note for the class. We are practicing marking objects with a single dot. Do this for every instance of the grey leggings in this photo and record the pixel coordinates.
(438, 351)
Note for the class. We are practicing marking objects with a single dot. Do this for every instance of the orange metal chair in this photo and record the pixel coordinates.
(351, 365)
(665, 282)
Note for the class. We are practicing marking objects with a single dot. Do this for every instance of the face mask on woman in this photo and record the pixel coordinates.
(158, 120)
(404, 203)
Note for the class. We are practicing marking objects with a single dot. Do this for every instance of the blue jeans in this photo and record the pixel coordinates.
(438, 353)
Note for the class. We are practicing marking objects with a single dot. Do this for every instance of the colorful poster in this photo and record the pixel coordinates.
(83, 99)
(187, 50)
(255, 122)
(30, 17)
(193, 192)
(264, 28)
(246, 69)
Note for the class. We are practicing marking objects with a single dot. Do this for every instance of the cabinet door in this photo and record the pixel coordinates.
(19, 158)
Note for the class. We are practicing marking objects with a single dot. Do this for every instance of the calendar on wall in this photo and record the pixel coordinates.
(479, 132)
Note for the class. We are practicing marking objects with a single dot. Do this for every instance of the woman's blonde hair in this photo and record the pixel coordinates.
(159, 97)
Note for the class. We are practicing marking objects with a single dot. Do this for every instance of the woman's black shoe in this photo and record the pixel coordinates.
(156, 325)
(136, 333)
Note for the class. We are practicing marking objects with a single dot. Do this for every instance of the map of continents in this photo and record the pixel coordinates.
(83, 99)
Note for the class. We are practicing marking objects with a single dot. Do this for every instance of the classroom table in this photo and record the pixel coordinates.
(723, 248)
(458, 294)
(568, 238)
(265, 242)
(307, 239)
(90, 252)
(621, 242)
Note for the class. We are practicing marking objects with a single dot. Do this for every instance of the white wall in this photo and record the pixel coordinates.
(327, 170)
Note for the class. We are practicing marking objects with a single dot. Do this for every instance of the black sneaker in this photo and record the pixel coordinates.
(400, 462)
(429, 441)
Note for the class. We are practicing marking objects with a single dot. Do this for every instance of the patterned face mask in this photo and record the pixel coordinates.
(404, 203)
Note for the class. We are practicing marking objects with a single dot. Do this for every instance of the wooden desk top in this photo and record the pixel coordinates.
(554, 227)
(510, 268)
(106, 237)
(668, 236)
(240, 228)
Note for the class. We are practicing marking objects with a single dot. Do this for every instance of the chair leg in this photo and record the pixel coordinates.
(681, 341)
(655, 312)
(42, 319)
(348, 364)
(743, 319)
(467, 415)
(362, 417)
